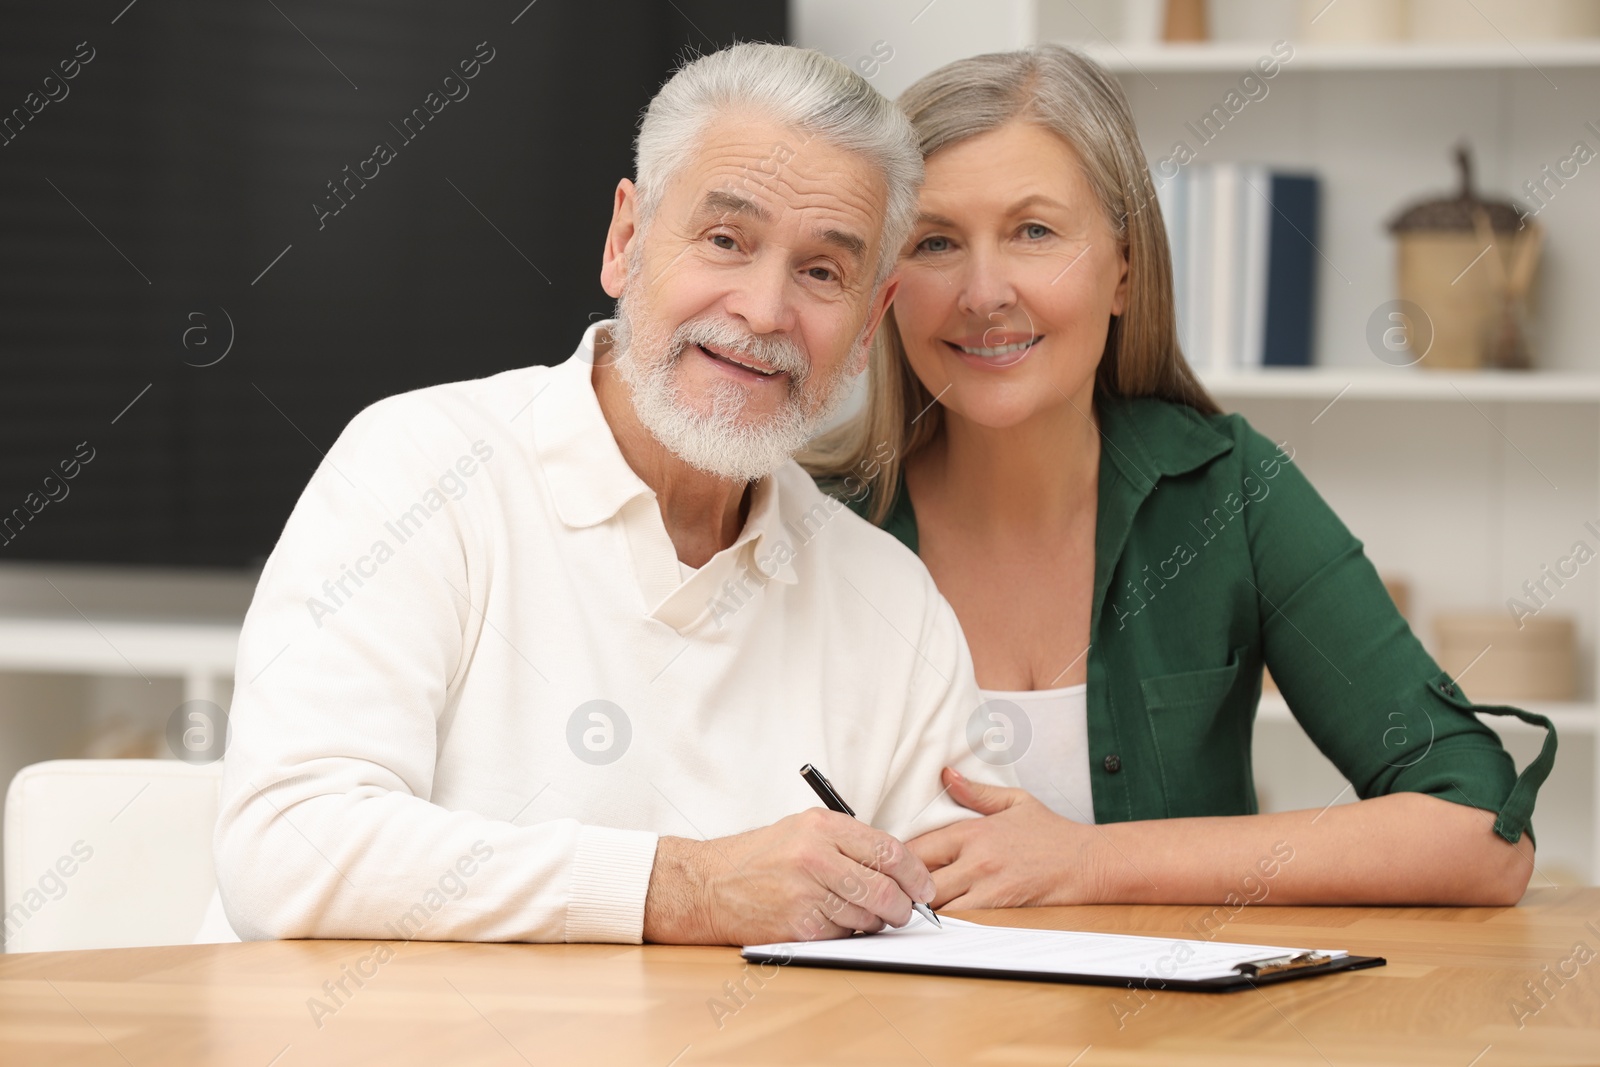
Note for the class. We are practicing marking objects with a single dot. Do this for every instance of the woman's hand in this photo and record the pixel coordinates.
(1020, 854)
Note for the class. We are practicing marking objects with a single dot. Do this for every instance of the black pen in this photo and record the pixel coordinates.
(835, 802)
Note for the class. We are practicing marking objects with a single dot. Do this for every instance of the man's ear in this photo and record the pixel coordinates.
(880, 306)
(623, 232)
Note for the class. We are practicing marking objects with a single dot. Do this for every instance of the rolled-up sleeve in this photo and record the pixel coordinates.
(1355, 676)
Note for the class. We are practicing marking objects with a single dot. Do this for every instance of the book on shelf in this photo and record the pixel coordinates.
(1244, 263)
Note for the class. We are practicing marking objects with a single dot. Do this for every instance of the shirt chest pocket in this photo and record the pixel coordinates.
(1202, 739)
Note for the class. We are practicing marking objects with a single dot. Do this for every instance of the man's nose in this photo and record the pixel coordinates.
(763, 297)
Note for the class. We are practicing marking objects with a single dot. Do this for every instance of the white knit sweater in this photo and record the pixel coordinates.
(474, 684)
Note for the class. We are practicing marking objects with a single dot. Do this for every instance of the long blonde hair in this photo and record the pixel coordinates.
(1074, 97)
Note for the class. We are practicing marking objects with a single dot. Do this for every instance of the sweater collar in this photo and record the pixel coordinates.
(589, 478)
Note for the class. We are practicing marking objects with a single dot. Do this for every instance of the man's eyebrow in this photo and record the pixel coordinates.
(722, 202)
(852, 245)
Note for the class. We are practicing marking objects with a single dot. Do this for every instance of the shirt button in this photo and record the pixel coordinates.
(1448, 689)
(1112, 764)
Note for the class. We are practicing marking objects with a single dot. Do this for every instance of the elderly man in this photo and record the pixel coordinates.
(538, 656)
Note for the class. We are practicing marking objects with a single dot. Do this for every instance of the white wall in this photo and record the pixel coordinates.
(895, 42)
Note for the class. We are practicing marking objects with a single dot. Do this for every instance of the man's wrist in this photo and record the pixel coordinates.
(675, 910)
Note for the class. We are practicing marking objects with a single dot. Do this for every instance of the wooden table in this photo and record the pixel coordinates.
(1448, 997)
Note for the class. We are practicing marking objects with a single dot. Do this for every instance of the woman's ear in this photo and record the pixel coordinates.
(1119, 297)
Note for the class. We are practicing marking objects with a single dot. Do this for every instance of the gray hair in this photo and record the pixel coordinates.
(798, 88)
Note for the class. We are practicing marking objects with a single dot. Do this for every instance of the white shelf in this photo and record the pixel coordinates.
(1236, 57)
(1568, 719)
(1405, 383)
(201, 653)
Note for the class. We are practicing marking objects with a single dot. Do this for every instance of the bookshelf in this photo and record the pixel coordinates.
(1462, 483)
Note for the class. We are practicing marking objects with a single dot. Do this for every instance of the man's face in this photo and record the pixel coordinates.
(746, 304)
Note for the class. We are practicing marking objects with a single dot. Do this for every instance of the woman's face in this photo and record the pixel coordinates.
(1010, 278)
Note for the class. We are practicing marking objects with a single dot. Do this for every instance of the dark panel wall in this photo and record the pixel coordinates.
(172, 198)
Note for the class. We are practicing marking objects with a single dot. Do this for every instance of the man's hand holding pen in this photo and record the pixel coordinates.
(817, 874)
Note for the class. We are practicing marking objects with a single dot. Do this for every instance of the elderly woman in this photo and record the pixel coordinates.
(1124, 558)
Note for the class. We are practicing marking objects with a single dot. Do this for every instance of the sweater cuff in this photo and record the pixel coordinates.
(610, 877)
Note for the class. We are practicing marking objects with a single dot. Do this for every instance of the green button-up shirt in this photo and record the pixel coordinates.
(1214, 556)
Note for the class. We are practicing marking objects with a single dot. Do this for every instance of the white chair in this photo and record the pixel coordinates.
(111, 853)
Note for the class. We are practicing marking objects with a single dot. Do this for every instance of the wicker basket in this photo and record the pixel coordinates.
(1467, 263)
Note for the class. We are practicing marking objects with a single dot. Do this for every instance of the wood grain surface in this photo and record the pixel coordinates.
(1465, 987)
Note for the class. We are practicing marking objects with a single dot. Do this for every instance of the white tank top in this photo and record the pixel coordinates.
(1055, 765)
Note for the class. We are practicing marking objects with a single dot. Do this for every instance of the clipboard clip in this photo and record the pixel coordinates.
(1277, 964)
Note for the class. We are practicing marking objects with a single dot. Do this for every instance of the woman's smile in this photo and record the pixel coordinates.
(991, 352)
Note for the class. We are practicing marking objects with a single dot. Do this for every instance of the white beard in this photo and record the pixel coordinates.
(719, 441)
